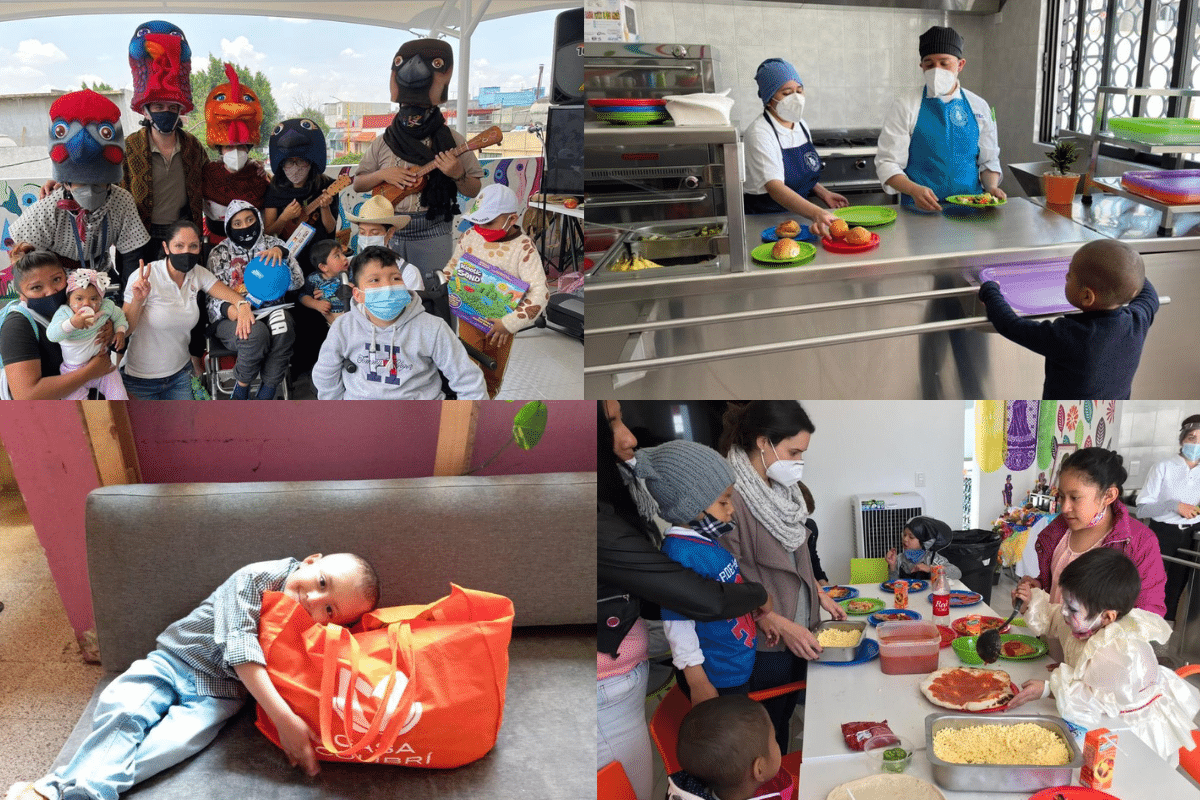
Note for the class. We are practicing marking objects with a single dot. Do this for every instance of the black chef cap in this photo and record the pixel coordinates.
(941, 40)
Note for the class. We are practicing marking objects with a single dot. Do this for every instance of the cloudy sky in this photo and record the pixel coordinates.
(341, 61)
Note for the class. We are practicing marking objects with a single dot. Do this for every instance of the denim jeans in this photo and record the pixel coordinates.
(172, 387)
(149, 718)
(621, 732)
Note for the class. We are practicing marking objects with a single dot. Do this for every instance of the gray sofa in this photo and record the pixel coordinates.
(156, 551)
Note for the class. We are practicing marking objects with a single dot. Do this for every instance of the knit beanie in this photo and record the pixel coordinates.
(773, 74)
(233, 113)
(161, 62)
(941, 40)
(685, 478)
(86, 142)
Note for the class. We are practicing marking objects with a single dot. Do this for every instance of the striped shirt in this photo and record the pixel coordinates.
(223, 630)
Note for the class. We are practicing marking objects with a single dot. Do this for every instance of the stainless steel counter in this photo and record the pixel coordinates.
(900, 321)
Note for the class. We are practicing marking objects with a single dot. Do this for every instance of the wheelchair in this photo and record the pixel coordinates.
(219, 376)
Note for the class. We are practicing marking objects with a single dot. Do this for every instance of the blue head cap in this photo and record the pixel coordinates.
(773, 74)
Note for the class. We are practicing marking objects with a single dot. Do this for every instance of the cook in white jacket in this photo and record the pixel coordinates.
(943, 142)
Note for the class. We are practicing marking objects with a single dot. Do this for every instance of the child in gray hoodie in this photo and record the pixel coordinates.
(394, 347)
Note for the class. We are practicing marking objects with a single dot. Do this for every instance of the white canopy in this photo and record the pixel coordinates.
(435, 18)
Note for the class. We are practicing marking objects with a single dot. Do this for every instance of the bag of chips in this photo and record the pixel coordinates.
(858, 734)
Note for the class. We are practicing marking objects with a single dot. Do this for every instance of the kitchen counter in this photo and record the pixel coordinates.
(1130, 221)
(900, 321)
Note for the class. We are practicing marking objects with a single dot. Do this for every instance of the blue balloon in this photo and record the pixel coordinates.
(266, 283)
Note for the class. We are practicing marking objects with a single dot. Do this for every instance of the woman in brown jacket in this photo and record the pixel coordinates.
(764, 442)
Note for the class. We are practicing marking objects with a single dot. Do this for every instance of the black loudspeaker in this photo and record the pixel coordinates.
(564, 151)
(566, 74)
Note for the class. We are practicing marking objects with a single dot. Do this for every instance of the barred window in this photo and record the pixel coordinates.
(1128, 43)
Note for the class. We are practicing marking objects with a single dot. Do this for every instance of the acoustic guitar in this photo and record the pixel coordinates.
(394, 193)
(339, 183)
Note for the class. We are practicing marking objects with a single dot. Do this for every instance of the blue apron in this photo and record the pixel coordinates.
(943, 152)
(801, 171)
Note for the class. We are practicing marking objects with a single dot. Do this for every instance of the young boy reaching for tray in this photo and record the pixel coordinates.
(727, 749)
(922, 538)
(1092, 355)
(1109, 668)
(693, 487)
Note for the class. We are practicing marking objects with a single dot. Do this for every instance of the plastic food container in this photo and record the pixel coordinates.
(1177, 187)
(841, 653)
(993, 778)
(908, 648)
(890, 753)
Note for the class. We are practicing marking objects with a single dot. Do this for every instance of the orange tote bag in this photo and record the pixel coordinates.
(418, 686)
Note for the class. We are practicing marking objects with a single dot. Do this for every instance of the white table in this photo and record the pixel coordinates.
(862, 692)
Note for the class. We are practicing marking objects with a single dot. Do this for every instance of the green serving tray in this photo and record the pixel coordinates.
(866, 216)
(1157, 131)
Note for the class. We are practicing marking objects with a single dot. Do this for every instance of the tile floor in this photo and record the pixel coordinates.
(44, 682)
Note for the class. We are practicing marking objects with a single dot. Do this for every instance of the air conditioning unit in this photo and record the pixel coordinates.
(879, 520)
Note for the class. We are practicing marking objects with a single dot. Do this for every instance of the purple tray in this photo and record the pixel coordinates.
(1177, 187)
(1032, 287)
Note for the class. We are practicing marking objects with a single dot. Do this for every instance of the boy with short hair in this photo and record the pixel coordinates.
(1092, 355)
(386, 347)
(320, 290)
(171, 704)
(727, 749)
(693, 487)
(377, 223)
(1109, 668)
(496, 239)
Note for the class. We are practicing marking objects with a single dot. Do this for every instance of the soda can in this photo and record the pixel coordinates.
(900, 588)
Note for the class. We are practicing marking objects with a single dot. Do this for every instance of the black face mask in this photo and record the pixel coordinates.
(245, 237)
(184, 262)
(164, 121)
(46, 306)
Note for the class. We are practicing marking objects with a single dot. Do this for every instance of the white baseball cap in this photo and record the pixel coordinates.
(495, 200)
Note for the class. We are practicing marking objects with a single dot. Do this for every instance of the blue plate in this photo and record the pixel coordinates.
(907, 612)
(768, 235)
(961, 599)
(868, 650)
(850, 594)
(920, 586)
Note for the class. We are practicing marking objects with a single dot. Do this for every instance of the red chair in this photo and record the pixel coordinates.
(664, 725)
(613, 784)
(1190, 759)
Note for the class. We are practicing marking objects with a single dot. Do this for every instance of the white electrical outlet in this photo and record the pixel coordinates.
(919, 479)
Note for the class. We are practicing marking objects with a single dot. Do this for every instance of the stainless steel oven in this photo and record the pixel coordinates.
(848, 164)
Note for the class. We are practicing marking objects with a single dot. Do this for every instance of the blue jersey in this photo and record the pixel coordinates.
(328, 288)
(727, 644)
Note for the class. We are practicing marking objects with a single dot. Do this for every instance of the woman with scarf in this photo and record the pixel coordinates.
(268, 347)
(764, 442)
(418, 135)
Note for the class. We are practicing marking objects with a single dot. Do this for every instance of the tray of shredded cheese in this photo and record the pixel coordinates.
(1010, 753)
(839, 640)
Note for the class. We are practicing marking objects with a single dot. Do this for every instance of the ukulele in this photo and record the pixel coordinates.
(341, 182)
(394, 193)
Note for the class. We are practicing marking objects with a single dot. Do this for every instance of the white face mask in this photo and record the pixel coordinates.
(785, 473)
(235, 159)
(791, 107)
(369, 241)
(940, 81)
(296, 174)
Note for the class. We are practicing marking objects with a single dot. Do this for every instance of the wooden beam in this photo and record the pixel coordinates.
(456, 437)
(110, 435)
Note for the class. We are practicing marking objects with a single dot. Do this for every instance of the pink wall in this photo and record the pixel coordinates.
(55, 471)
(231, 443)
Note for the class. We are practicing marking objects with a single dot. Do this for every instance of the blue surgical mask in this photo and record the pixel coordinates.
(914, 555)
(386, 302)
(164, 121)
(1191, 452)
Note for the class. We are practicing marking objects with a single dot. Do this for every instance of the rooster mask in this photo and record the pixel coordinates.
(233, 113)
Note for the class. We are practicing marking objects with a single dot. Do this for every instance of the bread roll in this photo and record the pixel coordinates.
(857, 236)
(786, 248)
(789, 229)
(838, 229)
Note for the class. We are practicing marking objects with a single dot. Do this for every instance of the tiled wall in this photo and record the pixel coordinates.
(1149, 432)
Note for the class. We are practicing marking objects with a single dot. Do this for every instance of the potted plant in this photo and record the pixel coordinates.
(1059, 184)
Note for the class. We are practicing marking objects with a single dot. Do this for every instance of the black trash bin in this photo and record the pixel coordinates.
(974, 552)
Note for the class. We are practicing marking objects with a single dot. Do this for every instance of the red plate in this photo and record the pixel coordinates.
(841, 247)
(1072, 793)
(948, 635)
(959, 625)
(609, 102)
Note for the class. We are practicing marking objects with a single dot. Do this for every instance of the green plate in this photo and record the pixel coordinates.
(1032, 641)
(762, 254)
(876, 605)
(959, 200)
(866, 216)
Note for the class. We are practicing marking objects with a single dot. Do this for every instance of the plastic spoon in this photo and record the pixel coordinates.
(987, 646)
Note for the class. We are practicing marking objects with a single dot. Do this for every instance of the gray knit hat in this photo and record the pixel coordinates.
(684, 478)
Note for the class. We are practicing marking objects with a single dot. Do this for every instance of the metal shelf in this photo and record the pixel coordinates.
(1107, 137)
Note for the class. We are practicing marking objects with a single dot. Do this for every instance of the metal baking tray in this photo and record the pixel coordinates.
(999, 777)
(841, 653)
